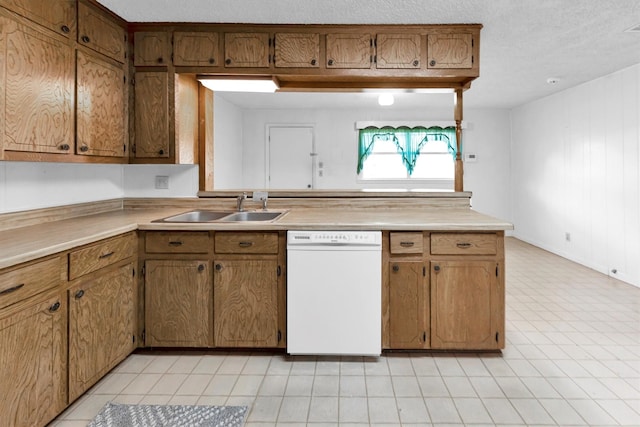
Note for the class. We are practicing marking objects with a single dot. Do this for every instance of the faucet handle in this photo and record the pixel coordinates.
(261, 196)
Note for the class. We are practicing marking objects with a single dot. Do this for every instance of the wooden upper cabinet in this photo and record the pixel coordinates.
(450, 50)
(301, 50)
(246, 50)
(196, 49)
(152, 115)
(36, 90)
(151, 49)
(350, 50)
(101, 107)
(398, 51)
(101, 33)
(56, 15)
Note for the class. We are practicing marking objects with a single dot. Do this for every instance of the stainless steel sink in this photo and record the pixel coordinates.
(252, 216)
(195, 216)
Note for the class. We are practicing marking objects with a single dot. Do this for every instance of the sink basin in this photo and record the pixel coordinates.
(195, 216)
(252, 216)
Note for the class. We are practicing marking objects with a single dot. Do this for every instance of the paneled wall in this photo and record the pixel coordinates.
(575, 174)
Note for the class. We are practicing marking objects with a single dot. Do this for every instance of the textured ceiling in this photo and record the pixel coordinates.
(523, 42)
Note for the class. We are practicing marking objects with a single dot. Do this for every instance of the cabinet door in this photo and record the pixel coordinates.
(178, 304)
(301, 50)
(465, 305)
(450, 51)
(36, 90)
(33, 363)
(152, 115)
(349, 50)
(408, 305)
(246, 50)
(245, 303)
(102, 321)
(398, 51)
(56, 15)
(101, 107)
(196, 49)
(101, 33)
(151, 49)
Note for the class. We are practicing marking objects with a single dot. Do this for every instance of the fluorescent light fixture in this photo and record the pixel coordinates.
(242, 84)
(385, 99)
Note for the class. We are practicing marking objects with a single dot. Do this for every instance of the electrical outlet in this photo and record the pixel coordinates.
(567, 236)
(162, 182)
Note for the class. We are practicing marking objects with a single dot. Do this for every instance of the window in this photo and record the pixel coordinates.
(405, 153)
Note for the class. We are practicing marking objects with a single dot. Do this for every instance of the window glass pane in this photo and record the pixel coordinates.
(382, 146)
(384, 166)
(435, 147)
(434, 166)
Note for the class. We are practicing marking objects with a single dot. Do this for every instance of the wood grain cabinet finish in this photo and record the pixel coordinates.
(348, 50)
(17, 284)
(408, 305)
(453, 50)
(101, 254)
(102, 322)
(230, 242)
(99, 32)
(246, 302)
(36, 90)
(466, 305)
(406, 242)
(464, 244)
(151, 49)
(56, 15)
(398, 51)
(152, 115)
(196, 49)
(299, 50)
(178, 242)
(246, 50)
(101, 110)
(33, 362)
(178, 303)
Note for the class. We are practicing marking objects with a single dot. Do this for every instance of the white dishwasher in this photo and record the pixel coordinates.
(334, 289)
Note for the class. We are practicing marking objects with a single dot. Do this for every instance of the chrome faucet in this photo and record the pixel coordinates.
(241, 199)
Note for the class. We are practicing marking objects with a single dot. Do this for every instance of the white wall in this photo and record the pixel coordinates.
(336, 138)
(140, 180)
(227, 151)
(575, 169)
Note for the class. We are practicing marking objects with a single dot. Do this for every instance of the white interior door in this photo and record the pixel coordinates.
(290, 164)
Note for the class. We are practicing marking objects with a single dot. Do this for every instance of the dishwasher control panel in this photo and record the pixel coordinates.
(334, 237)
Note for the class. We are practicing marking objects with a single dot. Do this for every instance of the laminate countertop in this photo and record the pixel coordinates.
(27, 243)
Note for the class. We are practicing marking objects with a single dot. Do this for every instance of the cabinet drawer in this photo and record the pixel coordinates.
(406, 243)
(172, 242)
(101, 254)
(464, 244)
(23, 282)
(246, 243)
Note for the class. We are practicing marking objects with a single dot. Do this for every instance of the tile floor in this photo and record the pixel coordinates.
(572, 358)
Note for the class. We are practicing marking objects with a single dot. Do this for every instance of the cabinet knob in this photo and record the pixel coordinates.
(227, 61)
(64, 147)
(436, 268)
(201, 267)
(160, 60)
(218, 267)
(84, 148)
(161, 152)
(396, 268)
(212, 61)
(55, 307)
(85, 39)
(330, 62)
(432, 62)
(79, 294)
(65, 29)
(416, 63)
(313, 62)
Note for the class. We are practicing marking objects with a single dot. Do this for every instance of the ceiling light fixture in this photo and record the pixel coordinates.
(243, 84)
(385, 99)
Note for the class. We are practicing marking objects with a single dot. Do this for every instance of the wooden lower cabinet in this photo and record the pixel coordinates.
(33, 362)
(178, 303)
(246, 302)
(467, 305)
(408, 305)
(102, 326)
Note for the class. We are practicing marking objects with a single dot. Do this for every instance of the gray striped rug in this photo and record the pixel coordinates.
(117, 415)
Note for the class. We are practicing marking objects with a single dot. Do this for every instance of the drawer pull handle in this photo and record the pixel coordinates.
(107, 255)
(407, 244)
(245, 244)
(79, 294)
(175, 243)
(55, 307)
(11, 289)
(463, 245)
